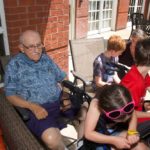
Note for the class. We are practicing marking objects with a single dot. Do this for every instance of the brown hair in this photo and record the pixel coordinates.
(142, 52)
(116, 43)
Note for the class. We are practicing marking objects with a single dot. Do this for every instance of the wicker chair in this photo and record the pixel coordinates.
(16, 134)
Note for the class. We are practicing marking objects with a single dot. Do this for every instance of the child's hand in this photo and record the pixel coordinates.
(121, 143)
(116, 78)
(133, 138)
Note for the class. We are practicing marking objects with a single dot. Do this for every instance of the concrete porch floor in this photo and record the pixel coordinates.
(124, 33)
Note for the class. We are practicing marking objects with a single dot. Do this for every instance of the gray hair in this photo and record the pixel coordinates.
(27, 32)
(138, 33)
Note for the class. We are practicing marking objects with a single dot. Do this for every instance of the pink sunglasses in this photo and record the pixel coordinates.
(115, 114)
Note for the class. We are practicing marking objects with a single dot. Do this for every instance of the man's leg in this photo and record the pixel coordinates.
(53, 139)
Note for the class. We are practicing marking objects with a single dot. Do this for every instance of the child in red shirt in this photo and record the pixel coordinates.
(137, 80)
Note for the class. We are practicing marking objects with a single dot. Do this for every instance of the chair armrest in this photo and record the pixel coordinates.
(24, 113)
(15, 132)
(77, 76)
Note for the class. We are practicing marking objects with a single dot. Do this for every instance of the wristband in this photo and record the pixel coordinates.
(132, 132)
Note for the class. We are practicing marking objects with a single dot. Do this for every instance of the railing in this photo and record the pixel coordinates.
(138, 21)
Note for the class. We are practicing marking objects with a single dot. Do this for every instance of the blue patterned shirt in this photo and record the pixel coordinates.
(102, 67)
(34, 81)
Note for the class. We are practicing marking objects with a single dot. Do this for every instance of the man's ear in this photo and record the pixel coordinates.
(21, 48)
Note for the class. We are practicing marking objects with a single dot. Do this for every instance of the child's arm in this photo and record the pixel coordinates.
(99, 82)
(132, 134)
(92, 118)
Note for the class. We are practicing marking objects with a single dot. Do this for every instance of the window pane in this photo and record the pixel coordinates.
(0, 22)
(2, 50)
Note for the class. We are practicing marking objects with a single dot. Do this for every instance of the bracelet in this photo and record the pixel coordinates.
(132, 132)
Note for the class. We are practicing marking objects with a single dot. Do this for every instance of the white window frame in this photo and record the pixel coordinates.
(3, 29)
(113, 18)
(135, 9)
(148, 12)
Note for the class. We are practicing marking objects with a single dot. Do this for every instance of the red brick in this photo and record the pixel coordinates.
(26, 2)
(123, 6)
(56, 1)
(17, 23)
(14, 30)
(12, 17)
(15, 10)
(43, 14)
(122, 20)
(52, 19)
(63, 18)
(56, 6)
(35, 8)
(10, 3)
(32, 27)
(35, 21)
(56, 12)
(43, 2)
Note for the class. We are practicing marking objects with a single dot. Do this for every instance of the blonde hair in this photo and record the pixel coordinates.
(116, 43)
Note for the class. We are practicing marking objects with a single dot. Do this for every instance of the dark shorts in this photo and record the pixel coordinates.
(52, 120)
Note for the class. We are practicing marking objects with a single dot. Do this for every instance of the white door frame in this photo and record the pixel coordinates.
(3, 29)
(72, 4)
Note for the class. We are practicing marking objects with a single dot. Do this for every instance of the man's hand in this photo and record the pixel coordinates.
(38, 111)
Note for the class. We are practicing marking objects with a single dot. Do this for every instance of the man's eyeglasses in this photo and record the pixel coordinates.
(115, 114)
(38, 46)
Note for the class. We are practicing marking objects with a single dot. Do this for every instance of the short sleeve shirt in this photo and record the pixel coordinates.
(136, 84)
(34, 81)
(102, 67)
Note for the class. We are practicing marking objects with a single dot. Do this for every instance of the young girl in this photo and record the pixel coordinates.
(114, 107)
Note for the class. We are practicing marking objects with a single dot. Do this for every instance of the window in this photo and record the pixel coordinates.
(4, 48)
(135, 6)
(100, 15)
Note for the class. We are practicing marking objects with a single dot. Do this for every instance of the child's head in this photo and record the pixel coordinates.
(115, 101)
(116, 43)
(142, 53)
(146, 102)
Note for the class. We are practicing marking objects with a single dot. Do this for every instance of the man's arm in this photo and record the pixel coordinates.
(36, 109)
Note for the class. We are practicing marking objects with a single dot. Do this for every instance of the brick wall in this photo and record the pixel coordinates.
(49, 17)
(122, 14)
(147, 5)
(81, 18)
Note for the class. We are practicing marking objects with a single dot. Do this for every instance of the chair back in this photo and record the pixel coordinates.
(83, 52)
(137, 20)
(147, 27)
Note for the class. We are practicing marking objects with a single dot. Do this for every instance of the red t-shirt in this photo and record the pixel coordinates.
(135, 83)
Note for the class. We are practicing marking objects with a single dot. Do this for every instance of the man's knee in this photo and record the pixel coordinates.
(52, 138)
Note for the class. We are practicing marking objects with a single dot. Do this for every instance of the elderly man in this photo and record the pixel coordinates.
(32, 82)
